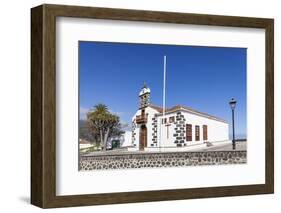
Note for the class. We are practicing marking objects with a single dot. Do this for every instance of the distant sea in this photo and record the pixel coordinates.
(238, 136)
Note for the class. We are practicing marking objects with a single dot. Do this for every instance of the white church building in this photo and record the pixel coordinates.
(174, 129)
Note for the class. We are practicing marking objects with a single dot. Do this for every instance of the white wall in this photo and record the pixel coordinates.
(15, 105)
(150, 114)
(127, 139)
(217, 131)
(162, 134)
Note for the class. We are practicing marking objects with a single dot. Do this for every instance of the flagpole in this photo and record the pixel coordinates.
(164, 99)
(164, 86)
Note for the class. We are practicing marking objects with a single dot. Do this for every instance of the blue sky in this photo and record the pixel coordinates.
(203, 78)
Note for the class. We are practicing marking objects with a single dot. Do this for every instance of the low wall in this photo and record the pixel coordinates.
(167, 159)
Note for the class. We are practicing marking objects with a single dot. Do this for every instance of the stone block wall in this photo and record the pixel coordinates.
(180, 130)
(154, 132)
(156, 160)
(134, 132)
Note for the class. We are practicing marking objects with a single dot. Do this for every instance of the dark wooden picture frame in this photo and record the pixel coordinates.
(43, 105)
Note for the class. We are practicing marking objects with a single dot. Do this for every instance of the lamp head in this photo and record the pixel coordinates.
(232, 103)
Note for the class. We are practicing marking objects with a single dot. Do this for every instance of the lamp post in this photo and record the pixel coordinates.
(232, 104)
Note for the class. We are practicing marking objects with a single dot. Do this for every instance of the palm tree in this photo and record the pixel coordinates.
(102, 108)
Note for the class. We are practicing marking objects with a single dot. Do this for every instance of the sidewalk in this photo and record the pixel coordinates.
(240, 146)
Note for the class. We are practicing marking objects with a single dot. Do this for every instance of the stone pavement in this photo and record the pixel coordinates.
(240, 146)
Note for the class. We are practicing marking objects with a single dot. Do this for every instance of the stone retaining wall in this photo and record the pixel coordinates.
(168, 159)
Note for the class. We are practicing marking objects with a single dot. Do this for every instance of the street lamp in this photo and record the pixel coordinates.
(232, 104)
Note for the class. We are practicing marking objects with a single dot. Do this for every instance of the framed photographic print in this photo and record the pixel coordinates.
(136, 106)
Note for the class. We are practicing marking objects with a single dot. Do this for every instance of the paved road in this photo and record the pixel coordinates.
(225, 147)
(240, 146)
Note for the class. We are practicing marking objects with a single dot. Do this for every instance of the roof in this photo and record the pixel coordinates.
(185, 109)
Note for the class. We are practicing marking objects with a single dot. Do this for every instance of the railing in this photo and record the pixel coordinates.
(140, 119)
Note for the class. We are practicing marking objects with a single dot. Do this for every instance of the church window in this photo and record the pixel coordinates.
(197, 133)
(172, 119)
(188, 132)
(205, 132)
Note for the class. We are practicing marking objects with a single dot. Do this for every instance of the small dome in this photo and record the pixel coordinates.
(144, 90)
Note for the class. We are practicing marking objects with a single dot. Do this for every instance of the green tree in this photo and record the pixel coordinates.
(103, 123)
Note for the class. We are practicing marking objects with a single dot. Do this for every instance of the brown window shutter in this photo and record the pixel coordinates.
(188, 132)
(205, 132)
(197, 133)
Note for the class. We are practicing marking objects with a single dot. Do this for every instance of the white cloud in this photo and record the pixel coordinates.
(116, 113)
(83, 112)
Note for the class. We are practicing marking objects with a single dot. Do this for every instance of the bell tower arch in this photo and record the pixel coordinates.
(144, 97)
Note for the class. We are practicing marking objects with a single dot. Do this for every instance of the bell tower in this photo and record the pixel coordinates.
(144, 97)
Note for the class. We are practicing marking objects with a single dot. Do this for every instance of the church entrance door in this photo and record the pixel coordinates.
(143, 137)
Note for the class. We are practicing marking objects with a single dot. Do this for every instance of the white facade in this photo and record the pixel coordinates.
(150, 113)
(180, 127)
(126, 139)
